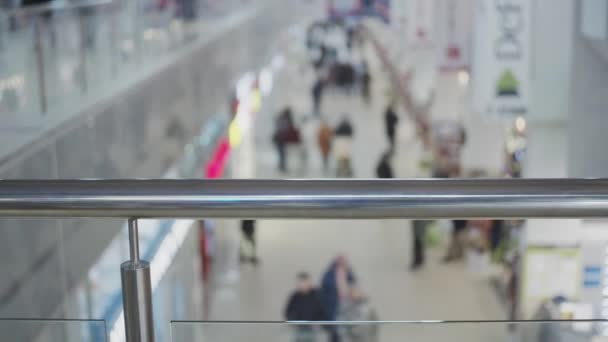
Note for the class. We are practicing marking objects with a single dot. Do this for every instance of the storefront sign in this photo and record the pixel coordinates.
(501, 57)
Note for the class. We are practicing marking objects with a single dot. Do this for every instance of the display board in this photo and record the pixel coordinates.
(501, 57)
(550, 272)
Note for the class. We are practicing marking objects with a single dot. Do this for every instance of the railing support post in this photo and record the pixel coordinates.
(136, 292)
(38, 50)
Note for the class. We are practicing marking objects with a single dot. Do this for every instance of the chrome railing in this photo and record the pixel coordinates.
(360, 199)
(500, 198)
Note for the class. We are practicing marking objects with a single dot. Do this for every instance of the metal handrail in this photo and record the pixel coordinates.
(135, 199)
(362, 199)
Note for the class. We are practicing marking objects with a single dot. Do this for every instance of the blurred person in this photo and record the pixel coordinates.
(418, 247)
(513, 264)
(344, 76)
(248, 245)
(343, 136)
(314, 34)
(350, 35)
(323, 56)
(324, 138)
(344, 168)
(478, 245)
(281, 126)
(496, 235)
(345, 128)
(285, 133)
(390, 121)
(384, 169)
(366, 79)
(336, 281)
(304, 304)
(356, 308)
(335, 285)
(317, 94)
(455, 249)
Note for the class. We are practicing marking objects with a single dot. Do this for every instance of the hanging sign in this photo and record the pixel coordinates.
(420, 22)
(453, 25)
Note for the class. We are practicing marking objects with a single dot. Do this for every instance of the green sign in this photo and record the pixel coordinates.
(507, 84)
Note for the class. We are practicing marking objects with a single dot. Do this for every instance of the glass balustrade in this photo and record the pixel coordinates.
(53, 330)
(55, 58)
(414, 331)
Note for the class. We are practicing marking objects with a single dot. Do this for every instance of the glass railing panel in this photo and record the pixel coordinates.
(100, 51)
(125, 38)
(19, 87)
(63, 55)
(420, 331)
(52, 330)
(53, 59)
(159, 28)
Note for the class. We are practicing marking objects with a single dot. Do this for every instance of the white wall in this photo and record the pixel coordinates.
(553, 232)
(550, 73)
(547, 153)
(551, 59)
(588, 136)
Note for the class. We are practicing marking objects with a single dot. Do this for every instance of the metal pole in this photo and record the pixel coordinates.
(40, 64)
(84, 41)
(362, 199)
(114, 50)
(133, 240)
(137, 292)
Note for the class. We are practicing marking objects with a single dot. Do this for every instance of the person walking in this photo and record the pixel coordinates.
(390, 120)
(324, 138)
(285, 132)
(384, 169)
(317, 95)
(455, 249)
(304, 304)
(345, 128)
(366, 80)
(248, 245)
(335, 284)
(342, 149)
(419, 232)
